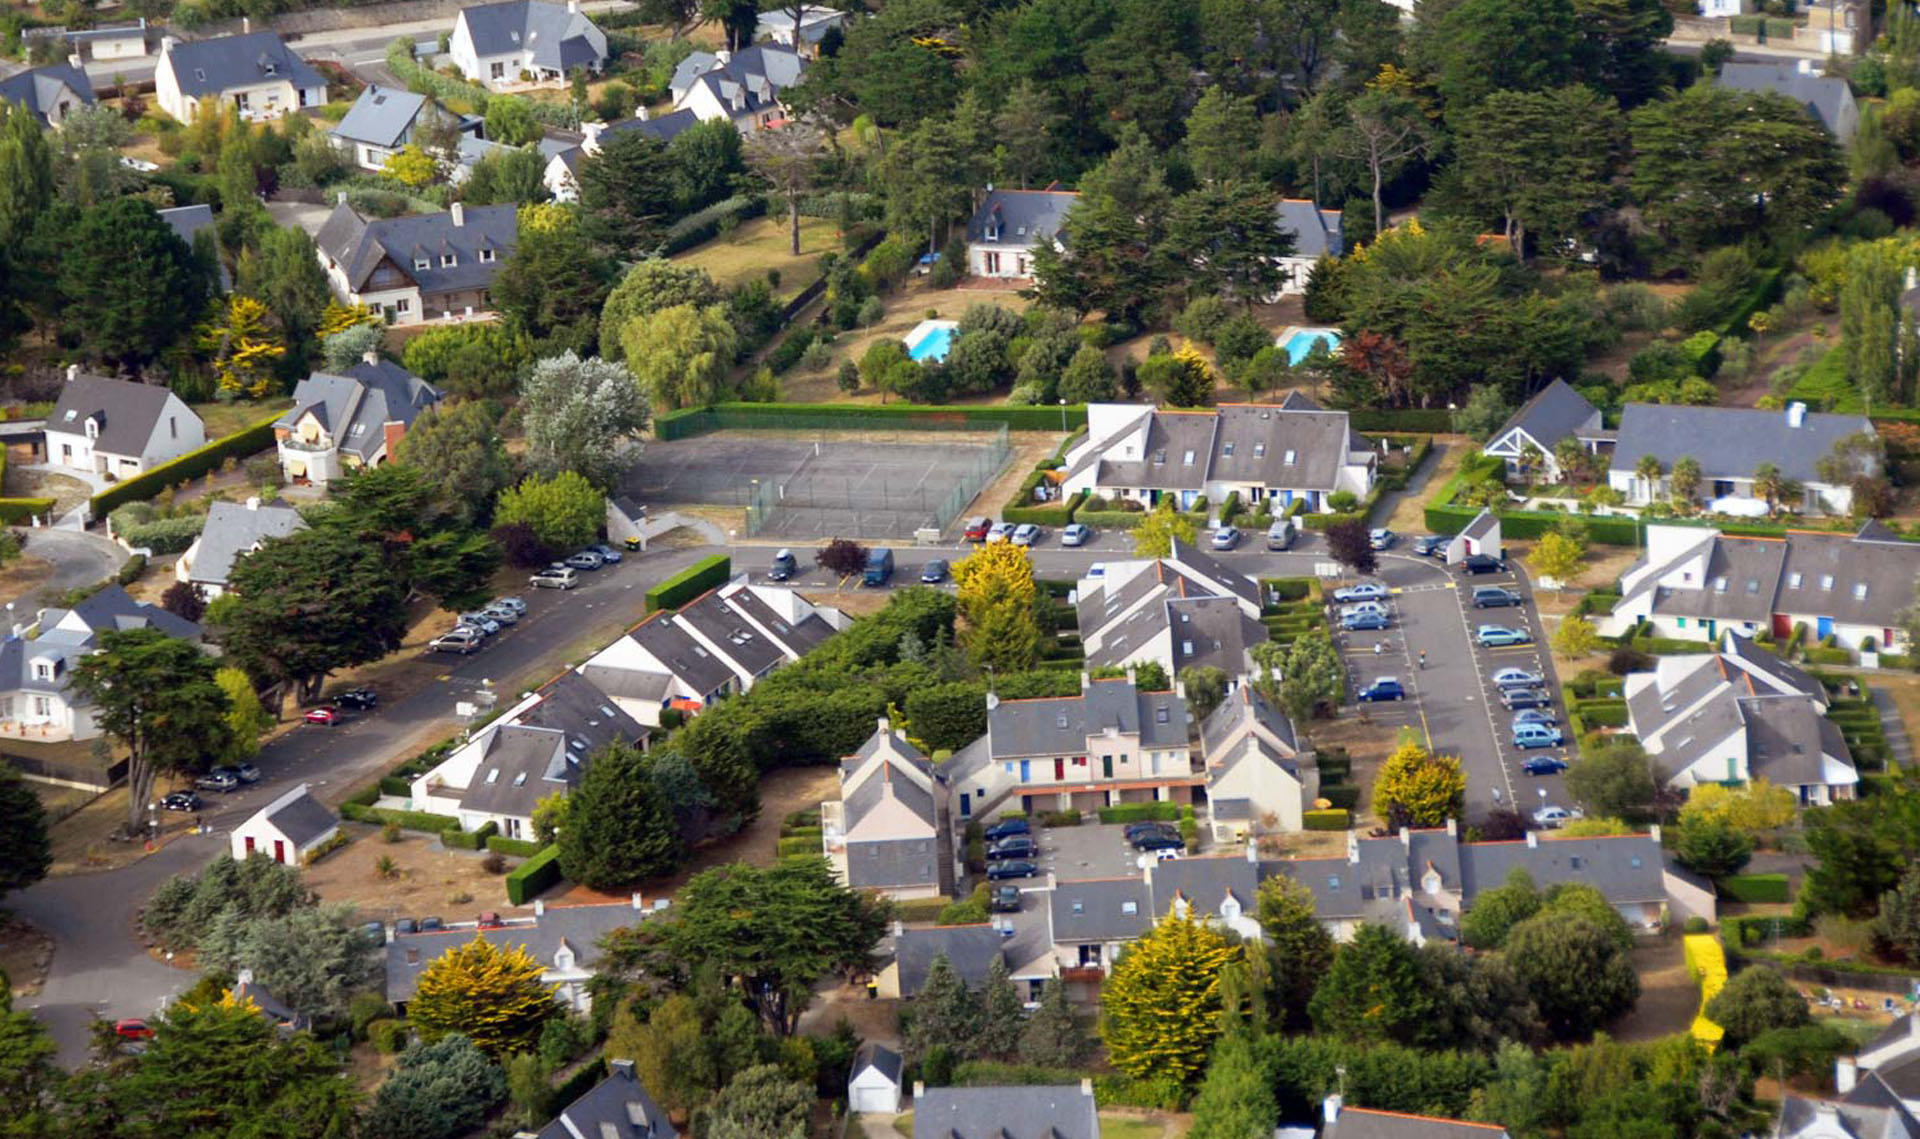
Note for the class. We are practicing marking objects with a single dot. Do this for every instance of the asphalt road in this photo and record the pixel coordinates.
(78, 558)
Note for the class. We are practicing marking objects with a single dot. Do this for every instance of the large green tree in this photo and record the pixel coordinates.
(436, 1091)
(1615, 782)
(26, 853)
(457, 447)
(1575, 970)
(554, 285)
(1120, 261)
(131, 282)
(1299, 948)
(627, 193)
(1160, 1009)
(1861, 849)
(946, 1014)
(579, 416)
(566, 511)
(414, 526)
(1374, 991)
(681, 355)
(762, 1102)
(647, 287)
(1483, 46)
(1541, 160)
(1756, 1000)
(619, 830)
(156, 695)
(284, 274)
(1232, 234)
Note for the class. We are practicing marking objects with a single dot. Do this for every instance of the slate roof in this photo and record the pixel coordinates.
(1751, 568)
(187, 221)
(798, 638)
(1786, 738)
(1824, 97)
(1859, 1121)
(1625, 868)
(755, 75)
(1204, 882)
(128, 412)
(699, 669)
(661, 128)
(302, 818)
(1251, 444)
(113, 609)
(1555, 412)
(39, 89)
(359, 245)
(211, 67)
(1364, 1123)
(628, 683)
(1062, 725)
(1239, 704)
(1100, 909)
(559, 39)
(545, 748)
(1023, 217)
(970, 949)
(883, 784)
(581, 927)
(1758, 660)
(1211, 632)
(355, 407)
(878, 1057)
(617, 1107)
(1065, 1112)
(1872, 577)
(1729, 442)
(1482, 526)
(710, 616)
(1316, 233)
(381, 116)
(232, 531)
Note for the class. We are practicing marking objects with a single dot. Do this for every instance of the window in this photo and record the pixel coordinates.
(1079, 907)
(1753, 585)
(1227, 450)
(493, 776)
(1826, 583)
(1719, 585)
(423, 263)
(486, 256)
(1186, 648)
(1129, 907)
(1793, 581)
(404, 305)
(1859, 591)
(1259, 450)
(1187, 459)
(42, 706)
(1576, 862)
(173, 427)
(448, 261)
(1160, 714)
(1160, 458)
(520, 780)
(1333, 881)
(1287, 458)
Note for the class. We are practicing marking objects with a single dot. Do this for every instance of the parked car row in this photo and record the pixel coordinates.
(471, 630)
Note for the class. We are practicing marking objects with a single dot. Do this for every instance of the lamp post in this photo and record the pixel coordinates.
(1063, 414)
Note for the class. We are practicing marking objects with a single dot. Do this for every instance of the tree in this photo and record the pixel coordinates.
(1120, 261)
(579, 414)
(1862, 850)
(1769, 485)
(1233, 235)
(1483, 46)
(1002, 1017)
(1299, 948)
(395, 510)
(1205, 687)
(1223, 136)
(313, 958)
(1758, 806)
(286, 276)
(246, 719)
(156, 695)
(565, 511)
(26, 853)
(1383, 129)
(1757, 1000)
(437, 1091)
(491, 994)
(627, 195)
(618, 830)
(133, 278)
(706, 162)
(1685, 479)
(1540, 159)
(1160, 1008)
(1088, 377)
(350, 346)
(457, 448)
(1236, 1100)
(996, 595)
(1615, 780)
(689, 1046)
(789, 159)
(510, 121)
(244, 348)
(1352, 546)
(1419, 789)
(506, 177)
(946, 1013)
(761, 1103)
(29, 1076)
(1577, 974)
(681, 355)
(1313, 677)
(1575, 638)
(1180, 378)
(553, 286)
(1374, 991)
(1485, 412)
(649, 286)
(1053, 1036)
(1557, 557)
(1154, 537)
(1712, 846)
(412, 167)
(1496, 911)
(841, 556)
(1897, 924)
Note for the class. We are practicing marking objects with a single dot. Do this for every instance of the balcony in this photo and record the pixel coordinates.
(317, 447)
(1084, 974)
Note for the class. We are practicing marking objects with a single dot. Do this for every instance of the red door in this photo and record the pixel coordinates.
(1782, 626)
(279, 851)
(1059, 769)
(249, 846)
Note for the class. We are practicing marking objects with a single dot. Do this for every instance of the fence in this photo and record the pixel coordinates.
(963, 477)
(864, 417)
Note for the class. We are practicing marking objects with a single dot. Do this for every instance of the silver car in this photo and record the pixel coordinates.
(480, 622)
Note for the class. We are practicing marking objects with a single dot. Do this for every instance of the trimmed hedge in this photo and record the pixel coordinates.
(1140, 812)
(1059, 512)
(1288, 588)
(1344, 796)
(688, 422)
(468, 840)
(534, 875)
(23, 509)
(1110, 519)
(406, 820)
(1330, 820)
(1756, 888)
(517, 847)
(1413, 421)
(242, 443)
(396, 786)
(798, 844)
(690, 583)
(703, 225)
(165, 535)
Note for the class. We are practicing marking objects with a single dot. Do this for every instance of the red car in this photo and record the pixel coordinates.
(326, 717)
(132, 1029)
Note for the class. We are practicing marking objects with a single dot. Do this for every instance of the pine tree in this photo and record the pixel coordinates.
(1160, 1009)
(1001, 1015)
(1374, 990)
(1054, 1036)
(244, 348)
(944, 1014)
(491, 994)
(25, 851)
(618, 830)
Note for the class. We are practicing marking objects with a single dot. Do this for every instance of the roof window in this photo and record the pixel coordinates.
(1259, 450)
(520, 780)
(1287, 458)
(493, 776)
(1160, 714)
(1079, 907)
(1227, 450)
(1719, 585)
(1826, 583)
(1793, 581)
(1753, 585)
(1129, 907)
(1187, 459)
(1060, 721)
(1859, 591)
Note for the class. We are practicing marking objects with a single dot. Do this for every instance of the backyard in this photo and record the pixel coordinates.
(763, 246)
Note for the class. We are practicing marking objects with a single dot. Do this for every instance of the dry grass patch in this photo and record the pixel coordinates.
(430, 880)
(766, 243)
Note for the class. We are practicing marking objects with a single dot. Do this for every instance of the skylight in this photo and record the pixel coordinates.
(1287, 458)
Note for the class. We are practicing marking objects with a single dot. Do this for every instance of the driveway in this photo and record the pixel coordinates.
(78, 558)
(303, 214)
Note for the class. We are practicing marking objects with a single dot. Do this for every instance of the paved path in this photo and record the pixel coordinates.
(1899, 744)
(78, 558)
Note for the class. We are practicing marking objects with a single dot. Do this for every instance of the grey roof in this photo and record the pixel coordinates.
(1751, 569)
(1902, 1029)
(1023, 217)
(1062, 725)
(878, 864)
(1729, 442)
(40, 89)
(1250, 444)
(697, 668)
(885, 783)
(128, 412)
(1759, 660)
(356, 406)
(1362, 1123)
(1205, 883)
(617, 1107)
(712, 618)
(970, 949)
(187, 221)
(276, 1011)
(628, 683)
(545, 748)
(1212, 632)
(1871, 576)
(1065, 1112)
(381, 116)
(359, 245)
(1316, 232)
(660, 128)
(798, 639)
(878, 1057)
(211, 67)
(1624, 868)
(303, 819)
(1824, 97)
(1240, 704)
(1555, 412)
(233, 530)
(1858, 1121)
(1101, 909)
(1786, 737)
(1482, 526)
(1191, 560)
(113, 609)
(581, 927)
(753, 76)
(1901, 1076)
(560, 39)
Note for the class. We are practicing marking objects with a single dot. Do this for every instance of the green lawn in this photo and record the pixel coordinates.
(1825, 385)
(765, 243)
(224, 419)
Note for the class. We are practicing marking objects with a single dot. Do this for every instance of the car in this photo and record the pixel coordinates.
(977, 527)
(1026, 534)
(1012, 868)
(485, 624)
(405, 925)
(180, 801)
(607, 553)
(1535, 716)
(501, 615)
(1360, 607)
(1365, 591)
(356, 699)
(784, 566)
(1017, 846)
(1159, 840)
(1537, 735)
(1077, 534)
(934, 572)
(1005, 900)
(460, 639)
(1494, 597)
(1097, 571)
(1007, 828)
(132, 1028)
(325, 717)
(375, 932)
(1225, 538)
(1517, 678)
(1385, 688)
(585, 560)
(1551, 817)
(1281, 534)
(1362, 622)
(1543, 765)
(1515, 699)
(1000, 532)
(489, 919)
(247, 772)
(518, 606)
(1496, 636)
(217, 780)
(1483, 563)
(1429, 545)
(431, 925)
(1152, 826)
(555, 577)
(1382, 539)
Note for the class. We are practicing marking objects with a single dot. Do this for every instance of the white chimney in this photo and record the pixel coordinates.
(1804, 66)
(73, 372)
(573, 6)
(1654, 833)
(639, 903)
(592, 131)
(1086, 1086)
(246, 25)
(1533, 840)
(642, 114)
(539, 907)
(74, 60)
(243, 977)
(1796, 414)
(724, 56)
(168, 43)
(340, 198)
(371, 356)
(919, 1088)
(253, 502)
(1453, 829)
(884, 726)
(1913, 277)
(993, 701)
(1331, 1108)
(1845, 1075)
(459, 213)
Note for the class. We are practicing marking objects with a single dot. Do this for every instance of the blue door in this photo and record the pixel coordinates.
(1286, 497)
(1187, 497)
(1026, 771)
(1825, 627)
(1710, 629)
(966, 804)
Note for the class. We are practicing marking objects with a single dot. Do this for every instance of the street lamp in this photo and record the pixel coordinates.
(1063, 421)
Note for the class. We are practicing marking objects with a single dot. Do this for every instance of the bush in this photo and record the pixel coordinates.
(690, 583)
(704, 225)
(137, 564)
(164, 535)
(1343, 796)
(1329, 820)
(366, 1008)
(534, 875)
(388, 1036)
(1202, 319)
(1696, 924)
(494, 863)
(193, 464)
(1140, 812)
(468, 840)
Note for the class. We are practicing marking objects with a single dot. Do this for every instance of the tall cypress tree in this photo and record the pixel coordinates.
(619, 829)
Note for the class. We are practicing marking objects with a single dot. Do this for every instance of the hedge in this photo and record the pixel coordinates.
(468, 840)
(1603, 713)
(1775, 27)
(517, 847)
(1288, 588)
(1059, 512)
(164, 535)
(1344, 796)
(1110, 519)
(703, 225)
(534, 875)
(396, 786)
(23, 509)
(1415, 421)
(690, 583)
(688, 422)
(242, 443)
(798, 844)
(1140, 812)
(1329, 820)
(1755, 888)
(406, 820)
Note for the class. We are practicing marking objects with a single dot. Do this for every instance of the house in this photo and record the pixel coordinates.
(1805, 1118)
(1110, 744)
(116, 429)
(564, 939)
(617, 1107)
(815, 22)
(970, 950)
(255, 71)
(1827, 98)
(525, 41)
(1090, 921)
(383, 121)
(1180, 611)
(1025, 1112)
(1530, 441)
(1877, 1090)
(51, 93)
(288, 830)
(1695, 582)
(889, 831)
(1316, 233)
(1729, 444)
(344, 423)
(562, 174)
(1264, 453)
(1739, 715)
(283, 1017)
(1721, 9)
(1257, 779)
(1343, 1122)
(420, 267)
(874, 1086)
(1480, 537)
(233, 531)
(538, 748)
(109, 41)
(742, 87)
(188, 223)
(1009, 225)
(37, 700)
(720, 643)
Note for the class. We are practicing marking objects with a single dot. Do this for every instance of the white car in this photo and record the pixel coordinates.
(1365, 591)
(1553, 818)
(514, 603)
(1001, 532)
(1026, 534)
(479, 621)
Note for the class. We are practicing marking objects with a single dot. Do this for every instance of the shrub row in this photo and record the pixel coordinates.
(1775, 28)
(1603, 713)
(406, 820)
(165, 535)
(1344, 796)
(1335, 819)
(23, 509)
(1416, 421)
(1140, 812)
(517, 847)
(1059, 512)
(396, 786)
(798, 844)
(704, 225)
(1288, 588)
(468, 840)
(698, 421)
(193, 464)
(1110, 519)
(534, 875)
(1755, 888)
(690, 583)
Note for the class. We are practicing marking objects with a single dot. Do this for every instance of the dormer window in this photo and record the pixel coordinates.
(43, 670)
(448, 260)
(486, 256)
(423, 263)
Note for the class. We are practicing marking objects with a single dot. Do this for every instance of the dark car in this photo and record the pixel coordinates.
(1365, 621)
(357, 699)
(1006, 900)
(406, 925)
(375, 932)
(431, 925)
(180, 801)
(1019, 846)
(1515, 699)
(1007, 828)
(1544, 765)
(934, 572)
(1159, 840)
(1429, 546)
(1494, 597)
(1483, 563)
(1016, 868)
(1135, 830)
(1386, 688)
(784, 566)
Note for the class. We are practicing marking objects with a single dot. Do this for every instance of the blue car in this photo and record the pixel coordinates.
(1543, 765)
(1536, 735)
(1386, 688)
(1007, 828)
(607, 554)
(1496, 636)
(1360, 622)
(1535, 716)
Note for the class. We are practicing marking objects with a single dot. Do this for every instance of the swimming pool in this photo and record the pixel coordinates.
(930, 339)
(1301, 341)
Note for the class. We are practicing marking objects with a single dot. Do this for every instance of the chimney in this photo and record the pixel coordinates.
(1913, 277)
(1796, 414)
(74, 60)
(246, 25)
(884, 726)
(253, 502)
(1804, 66)
(642, 114)
(1353, 848)
(1331, 1108)
(1406, 838)
(168, 43)
(724, 56)
(1086, 680)
(592, 131)
(622, 1068)
(1845, 1075)
(243, 977)
(1654, 833)
(1086, 1086)
(539, 907)
(919, 1088)
(1453, 829)
(1533, 840)
(340, 198)
(73, 372)
(371, 356)
(459, 213)
(899, 928)
(1253, 851)
(639, 903)
(993, 701)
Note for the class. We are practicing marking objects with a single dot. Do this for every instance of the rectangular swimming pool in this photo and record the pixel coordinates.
(931, 340)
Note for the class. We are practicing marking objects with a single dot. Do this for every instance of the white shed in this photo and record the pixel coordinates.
(1481, 536)
(875, 1083)
(287, 829)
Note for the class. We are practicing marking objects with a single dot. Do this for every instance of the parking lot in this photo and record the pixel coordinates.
(1093, 850)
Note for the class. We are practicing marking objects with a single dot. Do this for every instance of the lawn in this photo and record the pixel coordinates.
(223, 419)
(764, 244)
(1825, 385)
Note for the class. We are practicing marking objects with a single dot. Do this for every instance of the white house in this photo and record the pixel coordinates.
(348, 422)
(523, 41)
(255, 71)
(49, 93)
(1009, 224)
(1180, 611)
(418, 267)
(385, 120)
(286, 830)
(743, 87)
(1316, 233)
(233, 531)
(565, 940)
(1877, 1092)
(37, 698)
(815, 23)
(562, 172)
(1257, 778)
(1730, 444)
(110, 41)
(874, 1086)
(116, 428)
(889, 831)
(1534, 433)
(1479, 537)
